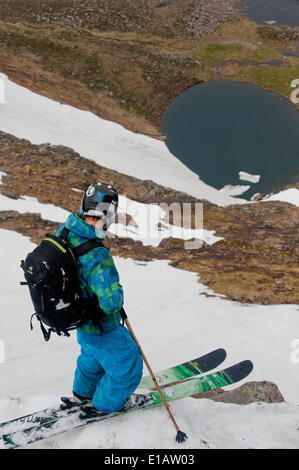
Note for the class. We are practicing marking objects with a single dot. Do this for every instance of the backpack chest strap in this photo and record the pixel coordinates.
(86, 247)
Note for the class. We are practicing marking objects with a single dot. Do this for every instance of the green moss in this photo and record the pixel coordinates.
(213, 53)
(265, 53)
(277, 79)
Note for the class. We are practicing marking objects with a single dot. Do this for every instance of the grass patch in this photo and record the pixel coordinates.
(213, 53)
(277, 79)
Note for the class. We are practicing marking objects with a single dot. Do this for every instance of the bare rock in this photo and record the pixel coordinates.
(283, 33)
(250, 392)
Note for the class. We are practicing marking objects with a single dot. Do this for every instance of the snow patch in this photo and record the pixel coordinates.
(234, 190)
(31, 205)
(1, 176)
(289, 195)
(248, 177)
(150, 225)
(77, 190)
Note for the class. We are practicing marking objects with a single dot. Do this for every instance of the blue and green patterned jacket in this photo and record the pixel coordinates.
(97, 274)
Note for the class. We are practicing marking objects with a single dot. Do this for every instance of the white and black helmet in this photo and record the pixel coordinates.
(100, 200)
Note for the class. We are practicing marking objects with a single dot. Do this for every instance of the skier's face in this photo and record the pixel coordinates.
(94, 221)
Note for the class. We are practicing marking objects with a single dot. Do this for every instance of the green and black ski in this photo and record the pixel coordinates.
(58, 423)
(186, 370)
(182, 371)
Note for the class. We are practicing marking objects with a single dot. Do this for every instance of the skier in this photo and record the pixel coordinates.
(109, 368)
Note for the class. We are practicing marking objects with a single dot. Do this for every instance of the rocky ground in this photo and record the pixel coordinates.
(147, 16)
(282, 33)
(256, 262)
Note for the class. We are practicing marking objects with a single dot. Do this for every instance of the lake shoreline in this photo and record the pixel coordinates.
(271, 11)
(194, 119)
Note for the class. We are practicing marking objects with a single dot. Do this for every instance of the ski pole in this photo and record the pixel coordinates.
(181, 436)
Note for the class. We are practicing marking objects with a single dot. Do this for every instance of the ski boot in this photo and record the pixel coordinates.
(133, 401)
(74, 401)
(137, 399)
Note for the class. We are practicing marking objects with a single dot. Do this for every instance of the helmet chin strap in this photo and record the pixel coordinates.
(108, 221)
(101, 233)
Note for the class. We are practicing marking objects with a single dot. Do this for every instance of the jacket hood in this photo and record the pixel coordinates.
(77, 225)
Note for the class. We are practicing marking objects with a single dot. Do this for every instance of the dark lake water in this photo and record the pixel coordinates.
(282, 11)
(219, 128)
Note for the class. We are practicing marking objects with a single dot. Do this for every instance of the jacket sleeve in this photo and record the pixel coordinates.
(103, 279)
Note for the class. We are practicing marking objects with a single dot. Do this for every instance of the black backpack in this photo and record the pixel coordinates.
(50, 271)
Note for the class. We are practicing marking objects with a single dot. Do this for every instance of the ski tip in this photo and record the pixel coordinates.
(247, 365)
(221, 352)
(239, 371)
(209, 361)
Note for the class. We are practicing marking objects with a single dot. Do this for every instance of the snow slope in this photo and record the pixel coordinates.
(40, 120)
(175, 324)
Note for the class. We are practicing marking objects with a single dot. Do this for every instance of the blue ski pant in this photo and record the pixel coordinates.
(109, 368)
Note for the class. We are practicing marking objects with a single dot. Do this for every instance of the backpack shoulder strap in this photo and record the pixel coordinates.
(86, 247)
(64, 233)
